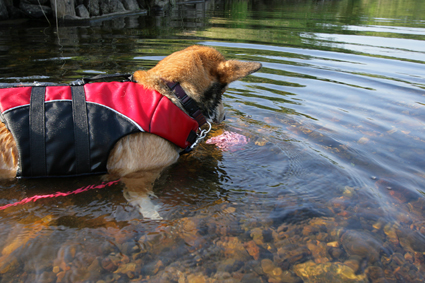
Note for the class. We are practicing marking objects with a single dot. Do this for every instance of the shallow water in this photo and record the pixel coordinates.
(330, 187)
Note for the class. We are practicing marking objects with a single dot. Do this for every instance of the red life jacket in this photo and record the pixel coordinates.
(112, 110)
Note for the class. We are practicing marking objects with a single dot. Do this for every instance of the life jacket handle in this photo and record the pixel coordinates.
(126, 77)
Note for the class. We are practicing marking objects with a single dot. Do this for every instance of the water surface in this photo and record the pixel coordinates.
(330, 187)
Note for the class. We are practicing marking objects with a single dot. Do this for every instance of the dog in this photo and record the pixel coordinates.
(202, 74)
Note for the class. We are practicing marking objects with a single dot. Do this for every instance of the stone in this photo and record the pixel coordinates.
(354, 263)
(348, 192)
(253, 249)
(419, 259)
(271, 270)
(267, 265)
(63, 8)
(412, 241)
(38, 2)
(335, 253)
(334, 244)
(318, 251)
(196, 278)
(251, 278)
(47, 277)
(229, 210)
(289, 277)
(374, 273)
(363, 140)
(109, 265)
(257, 236)
(124, 268)
(233, 248)
(361, 244)
(4, 14)
(131, 5)
(93, 7)
(9, 264)
(309, 230)
(82, 12)
(111, 6)
(417, 206)
(390, 231)
(327, 272)
(35, 11)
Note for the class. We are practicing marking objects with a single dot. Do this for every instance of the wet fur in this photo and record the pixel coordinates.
(139, 159)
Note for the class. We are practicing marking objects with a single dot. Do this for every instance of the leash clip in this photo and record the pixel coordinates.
(200, 137)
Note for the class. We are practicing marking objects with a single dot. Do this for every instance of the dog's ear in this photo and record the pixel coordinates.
(232, 70)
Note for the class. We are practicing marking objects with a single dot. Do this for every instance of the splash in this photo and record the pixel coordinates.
(229, 141)
(60, 194)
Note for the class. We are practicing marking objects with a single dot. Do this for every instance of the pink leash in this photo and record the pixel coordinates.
(59, 194)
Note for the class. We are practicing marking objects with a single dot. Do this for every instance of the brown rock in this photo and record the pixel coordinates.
(253, 249)
(124, 268)
(408, 257)
(8, 264)
(196, 278)
(309, 230)
(327, 272)
(233, 248)
(271, 270)
(267, 265)
(353, 263)
(108, 264)
(289, 277)
(374, 273)
(257, 236)
(334, 244)
(410, 240)
(318, 251)
(335, 253)
(419, 259)
(390, 231)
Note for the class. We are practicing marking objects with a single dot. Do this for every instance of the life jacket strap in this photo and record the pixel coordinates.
(81, 130)
(188, 103)
(37, 132)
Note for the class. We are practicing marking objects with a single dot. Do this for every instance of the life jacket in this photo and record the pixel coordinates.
(70, 130)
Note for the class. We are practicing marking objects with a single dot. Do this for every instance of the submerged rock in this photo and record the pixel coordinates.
(361, 244)
(311, 272)
(410, 240)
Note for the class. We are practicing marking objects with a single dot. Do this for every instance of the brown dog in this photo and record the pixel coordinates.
(139, 158)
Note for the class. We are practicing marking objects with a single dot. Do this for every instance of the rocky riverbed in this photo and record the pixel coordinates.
(229, 243)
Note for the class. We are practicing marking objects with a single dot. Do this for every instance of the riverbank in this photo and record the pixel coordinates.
(73, 10)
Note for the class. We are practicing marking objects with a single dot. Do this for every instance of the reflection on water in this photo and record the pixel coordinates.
(329, 188)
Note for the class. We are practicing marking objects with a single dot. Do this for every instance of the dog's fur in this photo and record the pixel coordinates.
(138, 159)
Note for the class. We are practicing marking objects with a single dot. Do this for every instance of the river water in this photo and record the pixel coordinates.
(329, 188)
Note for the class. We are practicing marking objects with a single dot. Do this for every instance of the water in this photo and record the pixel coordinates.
(330, 187)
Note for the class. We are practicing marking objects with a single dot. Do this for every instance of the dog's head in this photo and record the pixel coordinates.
(203, 73)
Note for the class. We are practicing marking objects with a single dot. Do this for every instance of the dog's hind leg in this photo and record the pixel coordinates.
(139, 159)
(138, 192)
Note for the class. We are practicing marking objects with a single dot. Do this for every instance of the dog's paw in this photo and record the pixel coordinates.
(144, 205)
(153, 215)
